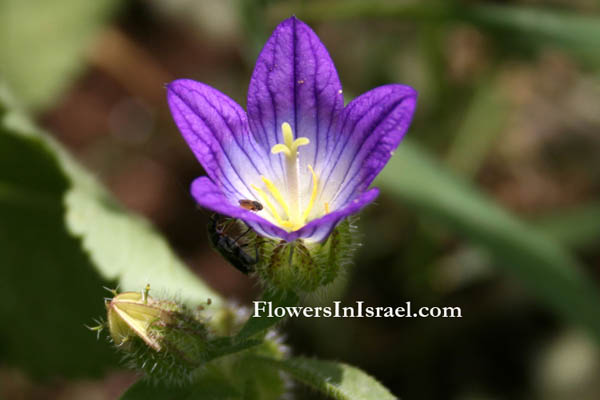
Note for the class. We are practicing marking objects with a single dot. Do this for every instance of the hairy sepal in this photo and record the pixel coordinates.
(304, 267)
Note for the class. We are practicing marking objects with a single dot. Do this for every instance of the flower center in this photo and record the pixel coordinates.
(294, 218)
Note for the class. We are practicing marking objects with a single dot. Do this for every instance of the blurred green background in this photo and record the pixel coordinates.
(492, 202)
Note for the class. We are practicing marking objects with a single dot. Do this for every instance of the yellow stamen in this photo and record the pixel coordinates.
(293, 215)
(266, 200)
(290, 148)
(326, 208)
(276, 194)
(313, 195)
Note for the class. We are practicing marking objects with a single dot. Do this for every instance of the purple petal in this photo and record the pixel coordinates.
(210, 196)
(371, 127)
(295, 81)
(319, 229)
(216, 129)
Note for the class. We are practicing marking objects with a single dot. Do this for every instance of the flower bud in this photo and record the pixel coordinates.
(160, 337)
(172, 345)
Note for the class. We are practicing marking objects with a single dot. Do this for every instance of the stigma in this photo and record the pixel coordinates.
(289, 199)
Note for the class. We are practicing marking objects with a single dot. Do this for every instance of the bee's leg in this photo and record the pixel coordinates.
(259, 241)
(227, 224)
(242, 235)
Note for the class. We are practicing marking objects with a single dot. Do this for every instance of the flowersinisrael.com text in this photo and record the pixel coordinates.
(358, 310)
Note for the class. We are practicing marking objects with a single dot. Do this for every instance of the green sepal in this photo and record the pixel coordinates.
(304, 267)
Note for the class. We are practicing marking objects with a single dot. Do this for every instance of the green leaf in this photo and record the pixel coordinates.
(483, 121)
(337, 380)
(351, 9)
(538, 26)
(542, 264)
(573, 31)
(44, 42)
(212, 385)
(262, 323)
(62, 238)
(126, 248)
(48, 287)
(259, 380)
(577, 227)
(123, 246)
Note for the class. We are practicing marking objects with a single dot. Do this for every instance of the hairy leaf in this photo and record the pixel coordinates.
(337, 380)
(62, 238)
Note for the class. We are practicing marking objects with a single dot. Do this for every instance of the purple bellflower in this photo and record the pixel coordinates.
(298, 151)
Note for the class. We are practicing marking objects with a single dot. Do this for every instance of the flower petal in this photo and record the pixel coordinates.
(210, 196)
(216, 129)
(295, 81)
(371, 127)
(319, 229)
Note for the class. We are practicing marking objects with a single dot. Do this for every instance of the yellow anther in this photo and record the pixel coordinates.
(266, 200)
(326, 208)
(313, 195)
(276, 194)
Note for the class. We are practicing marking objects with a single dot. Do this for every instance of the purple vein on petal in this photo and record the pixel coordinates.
(233, 135)
(369, 133)
(226, 154)
(222, 176)
(370, 152)
(195, 109)
(373, 127)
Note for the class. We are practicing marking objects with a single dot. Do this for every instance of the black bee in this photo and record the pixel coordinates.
(251, 205)
(229, 247)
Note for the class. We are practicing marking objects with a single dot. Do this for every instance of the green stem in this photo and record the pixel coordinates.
(260, 324)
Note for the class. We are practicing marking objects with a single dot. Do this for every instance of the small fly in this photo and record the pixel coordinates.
(251, 205)
(229, 247)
